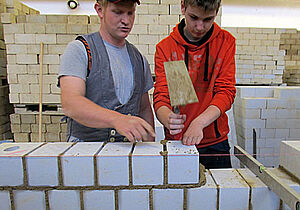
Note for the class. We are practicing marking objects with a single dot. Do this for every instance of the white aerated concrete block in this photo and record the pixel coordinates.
(168, 199)
(5, 200)
(29, 200)
(64, 199)
(11, 167)
(42, 164)
(204, 197)
(99, 199)
(289, 156)
(78, 164)
(290, 181)
(262, 198)
(133, 199)
(234, 191)
(113, 164)
(185, 158)
(147, 164)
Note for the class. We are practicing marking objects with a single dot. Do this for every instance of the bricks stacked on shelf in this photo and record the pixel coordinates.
(291, 44)
(118, 176)
(274, 114)
(8, 8)
(25, 127)
(259, 59)
(5, 110)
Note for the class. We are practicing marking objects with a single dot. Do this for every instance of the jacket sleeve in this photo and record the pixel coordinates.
(224, 89)
(161, 93)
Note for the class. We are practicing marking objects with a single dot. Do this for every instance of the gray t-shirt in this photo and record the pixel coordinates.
(74, 62)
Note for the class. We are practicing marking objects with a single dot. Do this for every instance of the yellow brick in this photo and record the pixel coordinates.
(9, 38)
(51, 59)
(148, 39)
(65, 39)
(93, 28)
(36, 19)
(35, 128)
(13, 28)
(94, 19)
(35, 28)
(175, 9)
(16, 49)
(78, 19)
(158, 29)
(14, 98)
(19, 88)
(56, 19)
(45, 38)
(76, 29)
(142, 9)
(53, 28)
(159, 9)
(25, 38)
(147, 19)
(56, 49)
(21, 137)
(35, 88)
(168, 19)
(26, 59)
(25, 128)
(139, 29)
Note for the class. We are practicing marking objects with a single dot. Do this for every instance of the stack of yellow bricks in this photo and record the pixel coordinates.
(11, 8)
(290, 42)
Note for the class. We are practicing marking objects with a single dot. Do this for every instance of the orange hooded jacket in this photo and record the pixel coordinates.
(211, 66)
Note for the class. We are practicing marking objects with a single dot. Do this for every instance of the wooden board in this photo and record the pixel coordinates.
(181, 89)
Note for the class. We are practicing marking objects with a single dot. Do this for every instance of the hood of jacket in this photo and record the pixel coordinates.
(210, 35)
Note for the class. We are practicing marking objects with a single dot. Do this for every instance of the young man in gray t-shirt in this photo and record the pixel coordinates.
(132, 121)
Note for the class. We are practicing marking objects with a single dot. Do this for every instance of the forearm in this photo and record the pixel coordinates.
(208, 116)
(162, 115)
(88, 113)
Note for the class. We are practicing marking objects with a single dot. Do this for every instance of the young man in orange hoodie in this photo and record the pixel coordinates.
(208, 52)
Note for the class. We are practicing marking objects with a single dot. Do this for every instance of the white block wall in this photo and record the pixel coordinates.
(289, 156)
(274, 114)
(221, 190)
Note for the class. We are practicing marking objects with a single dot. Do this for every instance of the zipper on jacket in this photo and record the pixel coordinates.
(186, 56)
(206, 63)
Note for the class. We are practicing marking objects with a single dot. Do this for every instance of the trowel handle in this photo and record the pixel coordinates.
(176, 110)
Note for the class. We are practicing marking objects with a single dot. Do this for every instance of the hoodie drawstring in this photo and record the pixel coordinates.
(186, 60)
(186, 56)
(206, 63)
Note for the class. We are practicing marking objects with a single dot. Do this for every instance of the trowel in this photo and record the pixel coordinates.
(181, 89)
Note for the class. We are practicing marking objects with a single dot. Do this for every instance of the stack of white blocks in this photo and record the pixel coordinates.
(274, 114)
(68, 175)
(96, 176)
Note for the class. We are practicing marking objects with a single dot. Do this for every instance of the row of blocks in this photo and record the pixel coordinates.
(224, 189)
(273, 113)
(98, 164)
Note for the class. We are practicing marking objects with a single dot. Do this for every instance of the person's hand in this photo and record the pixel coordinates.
(134, 128)
(175, 123)
(194, 133)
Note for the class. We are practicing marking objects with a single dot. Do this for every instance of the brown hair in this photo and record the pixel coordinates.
(103, 3)
(207, 5)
